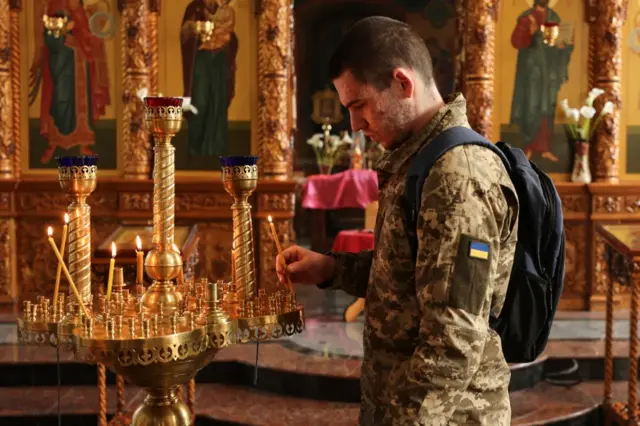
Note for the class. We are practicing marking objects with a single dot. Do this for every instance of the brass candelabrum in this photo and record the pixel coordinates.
(160, 337)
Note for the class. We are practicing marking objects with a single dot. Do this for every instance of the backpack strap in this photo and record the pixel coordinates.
(421, 166)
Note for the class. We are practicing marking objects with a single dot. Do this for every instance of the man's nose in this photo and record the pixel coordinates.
(357, 123)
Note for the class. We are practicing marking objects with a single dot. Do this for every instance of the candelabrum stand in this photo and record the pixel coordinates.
(78, 176)
(160, 338)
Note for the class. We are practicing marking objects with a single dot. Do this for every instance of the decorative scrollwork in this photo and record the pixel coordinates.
(240, 172)
(270, 326)
(78, 172)
(163, 112)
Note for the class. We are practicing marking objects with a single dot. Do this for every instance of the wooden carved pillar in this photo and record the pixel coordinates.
(134, 33)
(15, 6)
(275, 120)
(605, 35)
(7, 144)
(479, 61)
(274, 57)
(7, 250)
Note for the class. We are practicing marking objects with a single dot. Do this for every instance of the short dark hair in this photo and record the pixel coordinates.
(373, 47)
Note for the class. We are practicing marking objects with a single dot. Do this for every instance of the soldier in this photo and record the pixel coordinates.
(430, 356)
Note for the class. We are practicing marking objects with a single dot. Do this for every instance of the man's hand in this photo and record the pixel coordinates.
(305, 266)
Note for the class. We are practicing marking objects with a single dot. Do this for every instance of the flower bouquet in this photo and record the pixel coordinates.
(580, 129)
(327, 148)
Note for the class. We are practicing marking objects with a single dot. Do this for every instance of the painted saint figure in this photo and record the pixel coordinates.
(540, 72)
(72, 67)
(208, 68)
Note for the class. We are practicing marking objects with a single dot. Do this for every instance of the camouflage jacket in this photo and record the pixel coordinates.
(430, 357)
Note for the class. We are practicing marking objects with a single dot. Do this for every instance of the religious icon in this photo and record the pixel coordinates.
(70, 63)
(544, 44)
(209, 46)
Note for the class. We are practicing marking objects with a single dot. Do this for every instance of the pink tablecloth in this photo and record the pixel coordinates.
(348, 189)
(353, 241)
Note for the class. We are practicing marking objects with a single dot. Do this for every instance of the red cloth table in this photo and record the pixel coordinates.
(353, 241)
(348, 189)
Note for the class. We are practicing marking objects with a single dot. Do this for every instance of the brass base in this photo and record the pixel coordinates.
(162, 295)
(162, 408)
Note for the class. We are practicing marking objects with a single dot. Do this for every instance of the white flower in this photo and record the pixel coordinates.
(142, 93)
(347, 139)
(607, 108)
(593, 94)
(316, 141)
(588, 112)
(188, 106)
(573, 114)
(564, 104)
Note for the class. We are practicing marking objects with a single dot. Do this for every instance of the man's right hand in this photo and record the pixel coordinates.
(305, 266)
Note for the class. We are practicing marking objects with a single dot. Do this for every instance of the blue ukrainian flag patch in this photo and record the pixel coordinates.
(479, 250)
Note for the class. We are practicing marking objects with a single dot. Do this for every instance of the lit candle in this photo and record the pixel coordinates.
(63, 243)
(180, 278)
(233, 262)
(277, 241)
(112, 264)
(139, 255)
(66, 272)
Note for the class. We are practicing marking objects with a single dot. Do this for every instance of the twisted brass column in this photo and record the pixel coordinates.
(78, 177)
(240, 178)
(163, 262)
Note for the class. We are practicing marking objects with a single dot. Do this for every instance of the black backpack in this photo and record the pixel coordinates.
(537, 276)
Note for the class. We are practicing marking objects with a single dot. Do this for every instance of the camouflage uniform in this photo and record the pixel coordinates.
(430, 357)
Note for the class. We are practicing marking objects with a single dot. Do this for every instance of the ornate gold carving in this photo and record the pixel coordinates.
(135, 52)
(632, 204)
(5, 201)
(15, 84)
(479, 60)
(6, 94)
(78, 172)
(277, 202)
(576, 253)
(273, 88)
(46, 202)
(240, 172)
(136, 201)
(574, 203)
(163, 113)
(601, 271)
(7, 257)
(268, 251)
(607, 69)
(193, 201)
(607, 204)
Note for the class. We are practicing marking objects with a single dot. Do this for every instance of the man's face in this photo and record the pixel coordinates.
(380, 114)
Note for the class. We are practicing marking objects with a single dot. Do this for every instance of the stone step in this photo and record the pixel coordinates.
(217, 404)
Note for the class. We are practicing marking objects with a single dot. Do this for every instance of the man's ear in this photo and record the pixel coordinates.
(403, 81)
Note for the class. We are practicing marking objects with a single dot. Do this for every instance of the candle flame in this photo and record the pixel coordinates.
(113, 249)
(138, 243)
(66, 218)
(49, 231)
(270, 220)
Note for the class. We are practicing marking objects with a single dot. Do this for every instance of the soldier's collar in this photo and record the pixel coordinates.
(391, 161)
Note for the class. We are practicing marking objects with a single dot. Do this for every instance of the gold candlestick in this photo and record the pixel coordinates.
(78, 176)
(240, 178)
(163, 264)
(63, 243)
(139, 261)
